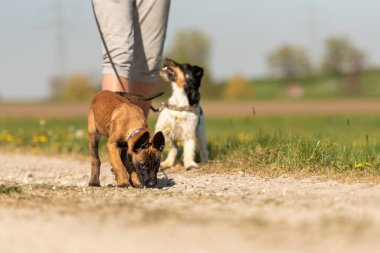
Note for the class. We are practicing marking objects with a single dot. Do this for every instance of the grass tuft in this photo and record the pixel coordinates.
(9, 189)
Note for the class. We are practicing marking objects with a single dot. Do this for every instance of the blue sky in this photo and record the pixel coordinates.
(242, 33)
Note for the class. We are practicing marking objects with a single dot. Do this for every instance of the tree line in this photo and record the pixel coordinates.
(288, 63)
(341, 60)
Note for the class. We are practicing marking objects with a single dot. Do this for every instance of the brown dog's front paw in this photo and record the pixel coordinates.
(123, 185)
(94, 184)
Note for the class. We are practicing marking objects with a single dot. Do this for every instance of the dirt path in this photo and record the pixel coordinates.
(191, 212)
(211, 108)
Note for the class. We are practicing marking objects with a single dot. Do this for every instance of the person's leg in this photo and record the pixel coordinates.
(150, 24)
(142, 88)
(110, 82)
(116, 23)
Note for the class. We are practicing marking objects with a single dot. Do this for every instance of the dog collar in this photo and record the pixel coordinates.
(135, 132)
(187, 108)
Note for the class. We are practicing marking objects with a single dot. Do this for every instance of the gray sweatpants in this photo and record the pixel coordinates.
(134, 31)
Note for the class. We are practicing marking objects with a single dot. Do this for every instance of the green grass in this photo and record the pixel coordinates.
(318, 144)
(318, 87)
(324, 144)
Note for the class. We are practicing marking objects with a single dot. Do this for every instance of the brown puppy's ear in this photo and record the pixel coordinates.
(142, 142)
(159, 141)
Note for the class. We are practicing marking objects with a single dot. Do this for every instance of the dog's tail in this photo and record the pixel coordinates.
(137, 97)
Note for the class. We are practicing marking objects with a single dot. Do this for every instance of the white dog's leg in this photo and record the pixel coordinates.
(188, 154)
(201, 139)
(170, 159)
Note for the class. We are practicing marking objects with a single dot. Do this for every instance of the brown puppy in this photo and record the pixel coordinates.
(134, 154)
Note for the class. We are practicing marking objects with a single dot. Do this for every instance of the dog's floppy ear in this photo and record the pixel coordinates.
(159, 141)
(198, 71)
(141, 142)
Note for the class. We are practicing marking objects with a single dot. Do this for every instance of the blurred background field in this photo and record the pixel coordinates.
(321, 87)
(296, 50)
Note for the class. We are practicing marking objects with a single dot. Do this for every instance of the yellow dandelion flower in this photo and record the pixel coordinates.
(358, 165)
(42, 138)
(8, 138)
(39, 139)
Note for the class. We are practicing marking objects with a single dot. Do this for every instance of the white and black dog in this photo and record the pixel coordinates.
(181, 118)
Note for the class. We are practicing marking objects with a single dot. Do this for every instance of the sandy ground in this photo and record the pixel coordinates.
(190, 211)
(211, 108)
